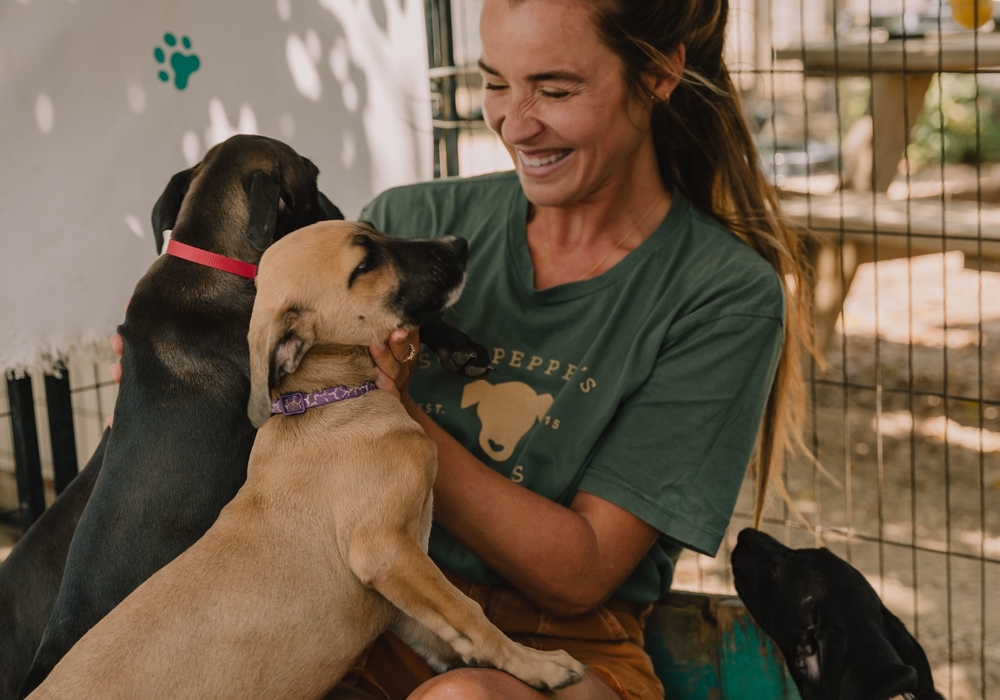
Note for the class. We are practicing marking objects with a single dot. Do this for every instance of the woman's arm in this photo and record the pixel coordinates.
(567, 560)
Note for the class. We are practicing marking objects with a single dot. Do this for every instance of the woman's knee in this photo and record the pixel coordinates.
(470, 684)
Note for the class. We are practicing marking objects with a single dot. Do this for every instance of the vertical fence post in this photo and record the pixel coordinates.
(60, 409)
(27, 460)
(441, 54)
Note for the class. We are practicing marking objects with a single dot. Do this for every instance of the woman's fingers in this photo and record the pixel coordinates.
(399, 344)
(384, 360)
(117, 344)
(383, 382)
(118, 347)
(394, 360)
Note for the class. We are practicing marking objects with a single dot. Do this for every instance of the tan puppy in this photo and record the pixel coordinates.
(324, 546)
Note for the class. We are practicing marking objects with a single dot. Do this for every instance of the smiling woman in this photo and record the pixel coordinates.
(639, 294)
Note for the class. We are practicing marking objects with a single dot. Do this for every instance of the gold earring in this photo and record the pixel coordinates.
(666, 98)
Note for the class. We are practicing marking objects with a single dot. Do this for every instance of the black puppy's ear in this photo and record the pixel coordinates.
(330, 210)
(264, 195)
(912, 654)
(166, 207)
(861, 668)
(832, 643)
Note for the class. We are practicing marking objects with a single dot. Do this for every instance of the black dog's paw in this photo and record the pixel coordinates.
(472, 361)
(456, 351)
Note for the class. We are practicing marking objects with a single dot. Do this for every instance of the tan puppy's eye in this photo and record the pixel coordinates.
(369, 263)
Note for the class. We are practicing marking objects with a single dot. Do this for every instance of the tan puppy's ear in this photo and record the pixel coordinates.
(474, 392)
(277, 346)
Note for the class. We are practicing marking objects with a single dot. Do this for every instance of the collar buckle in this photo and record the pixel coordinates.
(292, 404)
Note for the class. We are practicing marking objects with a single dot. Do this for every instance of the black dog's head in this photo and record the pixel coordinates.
(246, 193)
(839, 641)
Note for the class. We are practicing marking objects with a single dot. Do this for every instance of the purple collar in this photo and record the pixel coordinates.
(294, 404)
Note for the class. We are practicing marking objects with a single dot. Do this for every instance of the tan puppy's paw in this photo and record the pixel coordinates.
(440, 655)
(543, 670)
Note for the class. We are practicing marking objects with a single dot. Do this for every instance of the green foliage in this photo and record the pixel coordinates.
(947, 126)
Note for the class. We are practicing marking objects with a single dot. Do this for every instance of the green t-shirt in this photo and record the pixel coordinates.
(644, 386)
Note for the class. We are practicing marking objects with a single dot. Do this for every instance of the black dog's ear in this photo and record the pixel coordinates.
(166, 207)
(330, 210)
(264, 195)
(832, 656)
(861, 668)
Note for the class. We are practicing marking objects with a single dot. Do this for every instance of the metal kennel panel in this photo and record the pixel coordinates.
(879, 122)
(49, 426)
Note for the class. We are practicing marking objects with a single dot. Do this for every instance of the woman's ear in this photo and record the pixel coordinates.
(664, 75)
(277, 346)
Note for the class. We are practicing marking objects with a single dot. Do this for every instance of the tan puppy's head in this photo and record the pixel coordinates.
(342, 283)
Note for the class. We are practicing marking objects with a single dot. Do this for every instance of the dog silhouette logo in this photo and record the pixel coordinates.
(507, 412)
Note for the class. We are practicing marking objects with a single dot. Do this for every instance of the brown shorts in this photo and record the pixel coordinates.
(608, 640)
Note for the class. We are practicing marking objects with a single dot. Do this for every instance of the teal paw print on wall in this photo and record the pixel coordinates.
(182, 64)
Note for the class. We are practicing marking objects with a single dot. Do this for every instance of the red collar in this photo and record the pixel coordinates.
(203, 257)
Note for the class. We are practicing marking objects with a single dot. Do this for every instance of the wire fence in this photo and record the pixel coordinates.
(879, 121)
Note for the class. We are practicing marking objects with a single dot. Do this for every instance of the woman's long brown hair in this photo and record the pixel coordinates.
(704, 147)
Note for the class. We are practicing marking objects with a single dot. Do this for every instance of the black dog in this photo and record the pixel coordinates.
(181, 439)
(30, 577)
(839, 641)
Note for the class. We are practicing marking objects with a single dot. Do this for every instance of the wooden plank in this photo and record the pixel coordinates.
(707, 647)
(851, 55)
(917, 229)
(681, 639)
(894, 118)
(750, 665)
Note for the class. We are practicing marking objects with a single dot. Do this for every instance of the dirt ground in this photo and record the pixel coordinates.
(911, 468)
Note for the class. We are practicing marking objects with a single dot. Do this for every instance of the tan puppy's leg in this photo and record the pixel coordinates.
(439, 655)
(393, 564)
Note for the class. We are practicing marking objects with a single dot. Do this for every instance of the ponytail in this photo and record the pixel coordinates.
(704, 148)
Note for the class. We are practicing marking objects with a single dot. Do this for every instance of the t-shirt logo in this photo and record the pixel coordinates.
(507, 412)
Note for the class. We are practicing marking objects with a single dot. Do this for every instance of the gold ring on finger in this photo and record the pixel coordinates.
(410, 355)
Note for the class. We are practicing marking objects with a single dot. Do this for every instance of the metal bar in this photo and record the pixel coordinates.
(448, 71)
(904, 390)
(842, 532)
(430, 22)
(60, 410)
(91, 387)
(27, 460)
(449, 110)
(456, 123)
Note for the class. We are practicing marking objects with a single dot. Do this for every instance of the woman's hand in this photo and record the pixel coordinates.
(393, 372)
(118, 345)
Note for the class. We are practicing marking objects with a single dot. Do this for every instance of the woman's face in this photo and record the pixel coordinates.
(556, 96)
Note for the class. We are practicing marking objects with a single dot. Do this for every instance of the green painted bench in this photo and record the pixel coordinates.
(707, 647)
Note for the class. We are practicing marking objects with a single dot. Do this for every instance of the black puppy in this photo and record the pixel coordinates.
(839, 641)
(181, 439)
(30, 576)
